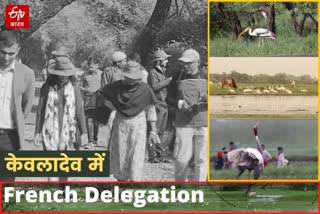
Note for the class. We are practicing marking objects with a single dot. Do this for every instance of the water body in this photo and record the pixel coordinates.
(263, 105)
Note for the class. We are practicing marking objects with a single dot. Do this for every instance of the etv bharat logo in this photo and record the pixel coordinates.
(17, 16)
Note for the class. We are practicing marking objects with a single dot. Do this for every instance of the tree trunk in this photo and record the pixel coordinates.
(272, 19)
(301, 24)
(237, 26)
(148, 35)
(232, 20)
(314, 20)
(298, 26)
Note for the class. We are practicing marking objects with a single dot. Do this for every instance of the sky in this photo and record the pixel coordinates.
(265, 65)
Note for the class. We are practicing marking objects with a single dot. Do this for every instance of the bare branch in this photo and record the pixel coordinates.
(177, 10)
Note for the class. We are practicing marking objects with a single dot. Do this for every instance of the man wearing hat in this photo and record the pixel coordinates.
(159, 83)
(113, 73)
(188, 93)
(17, 85)
(110, 75)
(60, 115)
(134, 102)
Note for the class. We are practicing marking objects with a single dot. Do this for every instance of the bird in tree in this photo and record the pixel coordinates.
(261, 33)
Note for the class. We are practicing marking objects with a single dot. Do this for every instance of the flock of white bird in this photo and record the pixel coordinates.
(270, 90)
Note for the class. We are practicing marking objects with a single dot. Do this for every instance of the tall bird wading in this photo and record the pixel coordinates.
(261, 33)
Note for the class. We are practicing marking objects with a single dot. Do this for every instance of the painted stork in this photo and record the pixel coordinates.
(261, 33)
(248, 158)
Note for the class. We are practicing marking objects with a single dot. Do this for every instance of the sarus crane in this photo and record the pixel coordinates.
(248, 158)
(261, 33)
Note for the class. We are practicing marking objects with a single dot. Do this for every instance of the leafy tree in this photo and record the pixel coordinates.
(299, 14)
(148, 35)
(227, 19)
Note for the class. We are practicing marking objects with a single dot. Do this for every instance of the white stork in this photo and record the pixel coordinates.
(261, 33)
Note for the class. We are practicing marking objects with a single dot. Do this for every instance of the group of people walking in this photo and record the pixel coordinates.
(125, 107)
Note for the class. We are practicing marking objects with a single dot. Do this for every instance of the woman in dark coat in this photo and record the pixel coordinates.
(60, 113)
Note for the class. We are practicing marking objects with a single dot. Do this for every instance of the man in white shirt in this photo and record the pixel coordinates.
(16, 93)
(282, 162)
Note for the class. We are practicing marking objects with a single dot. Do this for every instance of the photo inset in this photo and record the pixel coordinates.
(263, 29)
(265, 149)
(125, 77)
(264, 87)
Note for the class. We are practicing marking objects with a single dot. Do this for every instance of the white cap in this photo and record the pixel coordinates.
(190, 55)
(118, 56)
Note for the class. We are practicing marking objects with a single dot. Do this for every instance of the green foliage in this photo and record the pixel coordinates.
(307, 7)
(288, 42)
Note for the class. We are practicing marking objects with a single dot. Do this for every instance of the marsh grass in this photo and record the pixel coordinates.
(281, 47)
(296, 170)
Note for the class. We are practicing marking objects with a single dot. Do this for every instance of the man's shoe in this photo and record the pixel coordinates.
(88, 145)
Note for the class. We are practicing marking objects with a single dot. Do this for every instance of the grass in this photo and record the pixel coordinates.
(290, 200)
(291, 45)
(217, 90)
(296, 170)
(306, 150)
